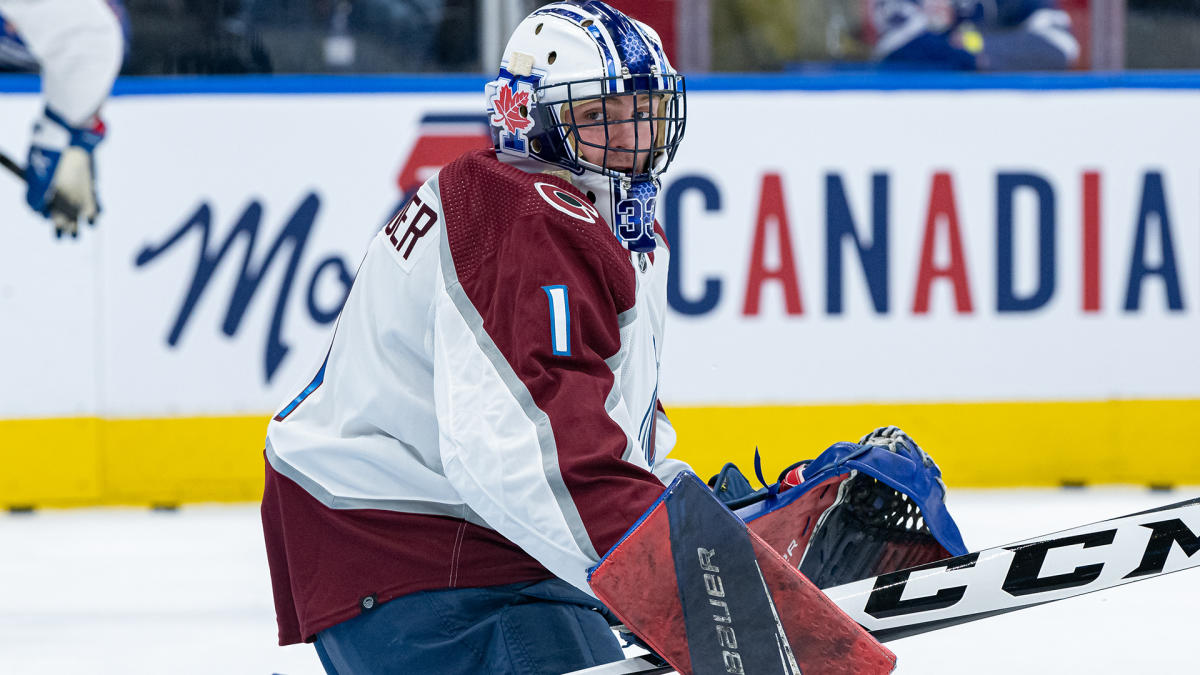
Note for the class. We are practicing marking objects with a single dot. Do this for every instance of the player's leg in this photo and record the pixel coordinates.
(527, 628)
(553, 627)
(413, 633)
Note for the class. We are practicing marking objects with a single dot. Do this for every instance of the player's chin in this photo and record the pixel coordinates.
(627, 167)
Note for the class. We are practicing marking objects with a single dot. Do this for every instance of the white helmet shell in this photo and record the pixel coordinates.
(566, 53)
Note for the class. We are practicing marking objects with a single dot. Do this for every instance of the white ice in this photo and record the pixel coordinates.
(132, 591)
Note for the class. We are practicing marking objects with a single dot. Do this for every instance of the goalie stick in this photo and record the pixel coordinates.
(1007, 578)
(57, 203)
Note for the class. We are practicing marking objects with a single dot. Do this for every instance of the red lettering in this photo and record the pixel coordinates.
(942, 210)
(771, 212)
(1091, 241)
(415, 231)
(395, 222)
(398, 219)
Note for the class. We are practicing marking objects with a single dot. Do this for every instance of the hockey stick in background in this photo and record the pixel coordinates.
(1008, 578)
(57, 203)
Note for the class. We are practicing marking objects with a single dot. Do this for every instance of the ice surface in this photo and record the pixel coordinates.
(132, 591)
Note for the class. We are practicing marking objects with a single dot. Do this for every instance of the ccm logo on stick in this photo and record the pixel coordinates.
(1024, 576)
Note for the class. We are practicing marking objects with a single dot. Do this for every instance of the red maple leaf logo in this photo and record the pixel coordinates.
(508, 106)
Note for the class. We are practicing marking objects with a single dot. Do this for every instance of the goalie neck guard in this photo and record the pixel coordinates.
(587, 92)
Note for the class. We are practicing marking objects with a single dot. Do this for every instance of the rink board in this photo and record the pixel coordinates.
(84, 461)
(875, 250)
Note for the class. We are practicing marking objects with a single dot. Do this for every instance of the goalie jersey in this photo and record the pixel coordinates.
(487, 412)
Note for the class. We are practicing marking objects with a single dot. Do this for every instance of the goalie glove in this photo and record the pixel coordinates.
(858, 510)
(60, 171)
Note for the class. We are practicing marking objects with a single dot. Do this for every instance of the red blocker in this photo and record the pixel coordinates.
(710, 596)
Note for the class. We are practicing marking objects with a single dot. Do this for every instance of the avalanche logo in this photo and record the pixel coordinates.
(567, 203)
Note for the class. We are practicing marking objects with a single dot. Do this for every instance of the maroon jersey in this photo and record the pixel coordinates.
(488, 409)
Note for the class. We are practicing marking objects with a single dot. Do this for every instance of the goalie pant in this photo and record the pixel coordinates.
(532, 628)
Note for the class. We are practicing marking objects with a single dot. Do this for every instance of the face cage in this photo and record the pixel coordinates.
(667, 122)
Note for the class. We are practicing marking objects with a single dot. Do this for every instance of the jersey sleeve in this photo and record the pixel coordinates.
(78, 46)
(525, 338)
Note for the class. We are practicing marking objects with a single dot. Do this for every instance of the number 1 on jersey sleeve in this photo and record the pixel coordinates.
(560, 320)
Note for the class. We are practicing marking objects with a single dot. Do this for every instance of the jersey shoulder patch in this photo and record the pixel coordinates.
(563, 201)
(408, 233)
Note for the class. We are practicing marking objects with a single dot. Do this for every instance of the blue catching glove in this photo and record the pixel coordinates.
(60, 171)
(857, 510)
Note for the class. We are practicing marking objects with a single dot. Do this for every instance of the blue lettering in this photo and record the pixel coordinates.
(295, 234)
(324, 316)
(839, 225)
(673, 228)
(1154, 202)
(1007, 185)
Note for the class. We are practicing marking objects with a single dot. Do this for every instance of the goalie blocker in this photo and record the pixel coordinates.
(710, 596)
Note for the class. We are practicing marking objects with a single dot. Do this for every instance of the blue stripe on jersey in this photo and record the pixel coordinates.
(646, 427)
(312, 386)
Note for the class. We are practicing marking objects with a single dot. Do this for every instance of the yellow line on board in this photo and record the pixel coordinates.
(94, 461)
(1005, 444)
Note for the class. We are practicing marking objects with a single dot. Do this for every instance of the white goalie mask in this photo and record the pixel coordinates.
(586, 90)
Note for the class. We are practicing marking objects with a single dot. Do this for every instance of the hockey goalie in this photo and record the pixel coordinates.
(484, 426)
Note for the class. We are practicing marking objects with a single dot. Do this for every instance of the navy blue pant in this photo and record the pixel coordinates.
(546, 627)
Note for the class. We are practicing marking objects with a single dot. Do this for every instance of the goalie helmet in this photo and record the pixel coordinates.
(585, 90)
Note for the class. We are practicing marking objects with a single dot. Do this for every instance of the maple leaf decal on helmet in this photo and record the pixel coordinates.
(508, 106)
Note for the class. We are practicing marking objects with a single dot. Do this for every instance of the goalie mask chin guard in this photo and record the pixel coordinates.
(586, 90)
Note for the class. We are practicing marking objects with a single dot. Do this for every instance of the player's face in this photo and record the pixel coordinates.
(626, 120)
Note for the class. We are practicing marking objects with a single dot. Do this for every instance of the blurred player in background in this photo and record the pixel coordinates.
(973, 34)
(78, 46)
(486, 424)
